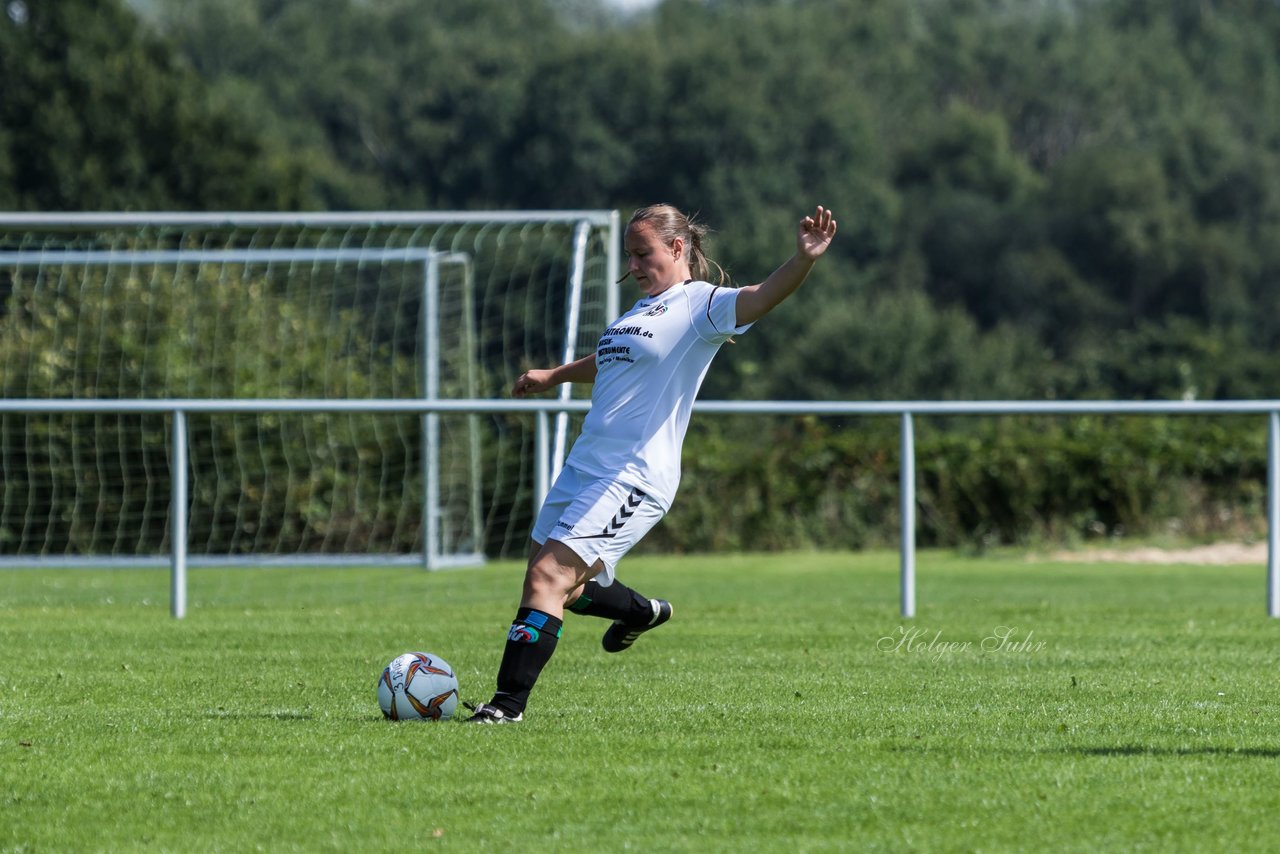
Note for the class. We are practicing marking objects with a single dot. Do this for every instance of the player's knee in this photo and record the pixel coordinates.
(548, 577)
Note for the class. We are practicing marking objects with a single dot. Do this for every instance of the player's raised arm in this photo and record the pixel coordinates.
(540, 380)
(812, 239)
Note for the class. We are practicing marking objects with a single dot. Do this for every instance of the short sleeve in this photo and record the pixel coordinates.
(714, 311)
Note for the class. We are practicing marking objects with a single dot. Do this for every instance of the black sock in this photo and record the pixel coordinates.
(615, 602)
(530, 642)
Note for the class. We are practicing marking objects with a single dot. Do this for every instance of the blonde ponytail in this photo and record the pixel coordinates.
(668, 224)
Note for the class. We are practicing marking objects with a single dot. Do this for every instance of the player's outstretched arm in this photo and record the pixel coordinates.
(812, 239)
(538, 381)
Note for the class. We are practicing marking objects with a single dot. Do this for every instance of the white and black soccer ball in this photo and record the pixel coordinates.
(418, 686)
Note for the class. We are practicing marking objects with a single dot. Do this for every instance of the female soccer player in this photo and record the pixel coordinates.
(622, 472)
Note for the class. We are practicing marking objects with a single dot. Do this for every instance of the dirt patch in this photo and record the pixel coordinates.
(1220, 553)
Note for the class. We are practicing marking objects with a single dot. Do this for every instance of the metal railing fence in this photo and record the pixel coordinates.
(906, 411)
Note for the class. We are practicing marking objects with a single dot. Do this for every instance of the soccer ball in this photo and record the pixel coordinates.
(418, 686)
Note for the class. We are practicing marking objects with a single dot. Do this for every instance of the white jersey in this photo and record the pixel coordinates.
(649, 366)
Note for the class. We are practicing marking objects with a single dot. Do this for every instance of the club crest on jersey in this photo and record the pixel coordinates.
(657, 311)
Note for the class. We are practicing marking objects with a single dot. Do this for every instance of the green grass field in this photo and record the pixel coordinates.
(786, 707)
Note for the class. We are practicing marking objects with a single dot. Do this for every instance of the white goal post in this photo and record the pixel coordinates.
(280, 307)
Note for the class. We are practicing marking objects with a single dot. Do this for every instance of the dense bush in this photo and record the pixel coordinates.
(773, 483)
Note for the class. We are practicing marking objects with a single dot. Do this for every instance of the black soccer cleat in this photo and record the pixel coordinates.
(621, 636)
(489, 714)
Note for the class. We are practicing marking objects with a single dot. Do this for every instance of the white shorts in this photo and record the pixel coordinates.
(600, 519)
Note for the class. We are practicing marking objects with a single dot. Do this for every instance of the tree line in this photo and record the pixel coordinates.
(1038, 200)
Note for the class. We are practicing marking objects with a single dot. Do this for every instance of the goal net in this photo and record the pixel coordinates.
(277, 309)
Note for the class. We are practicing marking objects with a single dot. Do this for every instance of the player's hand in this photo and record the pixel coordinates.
(531, 382)
(815, 233)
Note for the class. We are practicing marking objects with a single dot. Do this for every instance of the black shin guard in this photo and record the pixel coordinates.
(530, 643)
(615, 602)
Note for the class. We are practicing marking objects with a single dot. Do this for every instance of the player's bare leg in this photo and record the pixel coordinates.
(554, 573)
